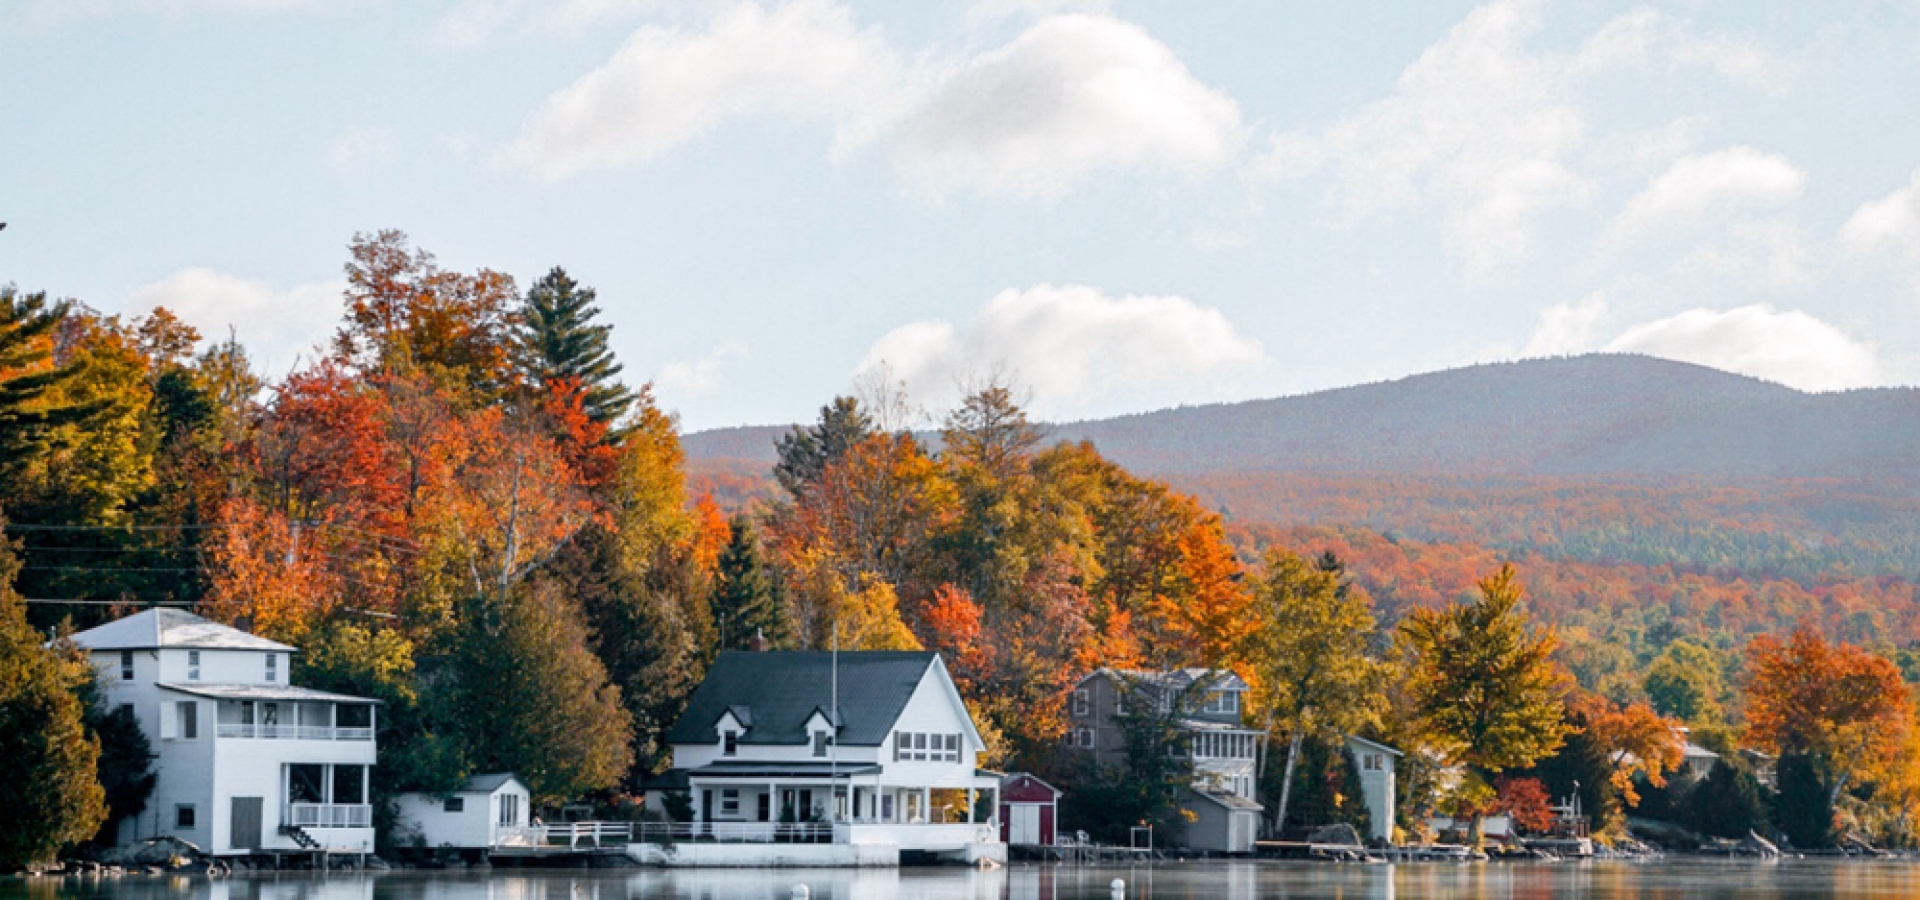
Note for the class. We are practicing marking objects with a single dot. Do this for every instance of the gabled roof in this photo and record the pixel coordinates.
(487, 784)
(1173, 678)
(165, 628)
(780, 691)
(1230, 801)
(1375, 745)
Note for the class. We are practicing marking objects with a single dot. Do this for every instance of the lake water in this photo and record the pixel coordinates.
(1666, 880)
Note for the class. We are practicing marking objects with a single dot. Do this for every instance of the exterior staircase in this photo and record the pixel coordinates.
(301, 837)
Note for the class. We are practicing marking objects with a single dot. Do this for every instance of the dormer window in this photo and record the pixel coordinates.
(193, 665)
(1223, 702)
(273, 667)
(821, 741)
(729, 743)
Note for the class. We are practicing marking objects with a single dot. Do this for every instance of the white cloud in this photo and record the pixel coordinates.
(1648, 36)
(683, 379)
(1694, 184)
(1566, 329)
(1011, 9)
(664, 86)
(1789, 347)
(1889, 223)
(276, 326)
(1071, 345)
(1071, 95)
(1477, 124)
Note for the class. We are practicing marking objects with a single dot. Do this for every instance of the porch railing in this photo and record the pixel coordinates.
(573, 835)
(329, 815)
(734, 832)
(294, 732)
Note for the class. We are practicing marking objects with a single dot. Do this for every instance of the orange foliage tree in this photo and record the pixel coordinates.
(1837, 704)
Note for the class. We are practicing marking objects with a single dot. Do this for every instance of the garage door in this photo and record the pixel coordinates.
(1024, 828)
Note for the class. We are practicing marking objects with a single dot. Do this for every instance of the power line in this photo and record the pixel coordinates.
(110, 602)
(15, 526)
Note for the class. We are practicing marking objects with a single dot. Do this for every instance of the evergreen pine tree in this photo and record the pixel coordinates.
(1802, 809)
(806, 452)
(1727, 802)
(557, 340)
(746, 597)
(27, 326)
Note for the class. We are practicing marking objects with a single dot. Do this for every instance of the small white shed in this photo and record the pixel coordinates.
(488, 811)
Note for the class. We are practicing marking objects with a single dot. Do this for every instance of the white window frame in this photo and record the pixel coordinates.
(730, 802)
(126, 665)
(729, 743)
(188, 726)
(193, 665)
(1082, 702)
(273, 668)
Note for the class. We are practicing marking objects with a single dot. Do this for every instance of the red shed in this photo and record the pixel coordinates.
(1029, 810)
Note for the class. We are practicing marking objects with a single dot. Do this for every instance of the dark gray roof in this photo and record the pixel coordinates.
(781, 691)
(487, 784)
(783, 769)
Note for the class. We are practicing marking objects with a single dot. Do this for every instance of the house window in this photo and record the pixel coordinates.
(729, 743)
(730, 802)
(1223, 702)
(126, 665)
(1083, 737)
(184, 818)
(1119, 704)
(454, 804)
(1082, 702)
(306, 783)
(189, 713)
(273, 667)
(193, 665)
(952, 753)
(509, 809)
(349, 784)
(820, 741)
(1373, 762)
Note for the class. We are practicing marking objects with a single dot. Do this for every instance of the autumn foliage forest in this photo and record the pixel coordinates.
(458, 507)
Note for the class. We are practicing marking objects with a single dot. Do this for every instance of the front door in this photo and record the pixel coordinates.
(766, 807)
(1024, 827)
(243, 827)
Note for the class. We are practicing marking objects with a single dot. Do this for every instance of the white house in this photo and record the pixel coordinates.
(487, 812)
(245, 762)
(1377, 763)
(866, 748)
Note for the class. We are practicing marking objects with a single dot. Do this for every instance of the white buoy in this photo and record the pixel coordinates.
(800, 892)
(1119, 889)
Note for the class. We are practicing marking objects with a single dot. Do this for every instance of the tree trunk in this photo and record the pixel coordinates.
(1286, 783)
(1473, 832)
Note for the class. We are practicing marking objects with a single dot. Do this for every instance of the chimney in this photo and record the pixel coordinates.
(244, 623)
(759, 644)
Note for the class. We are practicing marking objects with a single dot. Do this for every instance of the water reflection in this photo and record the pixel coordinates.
(1673, 880)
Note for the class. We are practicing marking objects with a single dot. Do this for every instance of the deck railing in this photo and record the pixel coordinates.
(329, 815)
(573, 835)
(734, 832)
(294, 732)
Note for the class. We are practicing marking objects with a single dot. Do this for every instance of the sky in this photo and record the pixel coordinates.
(1118, 206)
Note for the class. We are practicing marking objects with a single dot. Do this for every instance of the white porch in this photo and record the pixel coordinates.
(792, 805)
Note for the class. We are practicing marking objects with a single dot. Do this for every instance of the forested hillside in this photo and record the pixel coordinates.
(461, 510)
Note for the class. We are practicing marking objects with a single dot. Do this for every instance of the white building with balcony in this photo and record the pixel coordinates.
(771, 768)
(245, 762)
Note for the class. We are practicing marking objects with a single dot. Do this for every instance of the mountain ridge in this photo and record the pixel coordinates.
(1596, 415)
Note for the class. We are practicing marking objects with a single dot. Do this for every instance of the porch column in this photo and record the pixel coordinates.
(970, 805)
(773, 803)
(926, 805)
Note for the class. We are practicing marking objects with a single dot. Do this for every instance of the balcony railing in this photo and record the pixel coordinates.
(295, 732)
(734, 832)
(329, 815)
